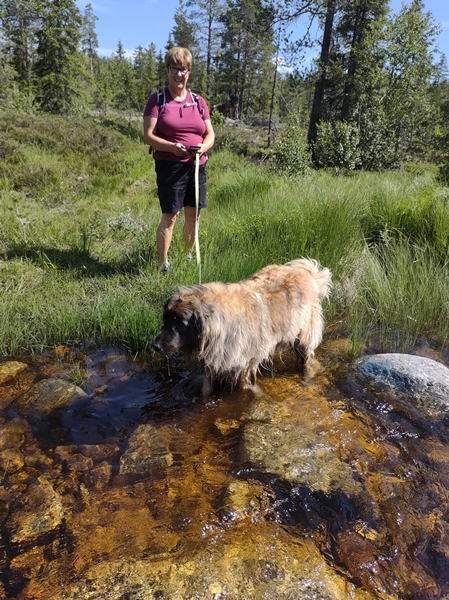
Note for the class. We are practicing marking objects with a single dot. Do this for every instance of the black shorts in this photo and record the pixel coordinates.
(176, 185)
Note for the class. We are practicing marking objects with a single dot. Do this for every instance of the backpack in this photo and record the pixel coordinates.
(161, 103)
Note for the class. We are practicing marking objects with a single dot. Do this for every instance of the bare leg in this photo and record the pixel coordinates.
(189, 227)
(164, 235)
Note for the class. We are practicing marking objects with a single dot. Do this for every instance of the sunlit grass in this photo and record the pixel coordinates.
(77, 242)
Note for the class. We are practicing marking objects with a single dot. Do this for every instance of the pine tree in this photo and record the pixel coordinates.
(89, 38)
(324, 66)
(125, 88)
(354, 30)
(145, 72)
(59, 67)
(182, 33)
(20, 21)
(409, 63)
(104, 86)
(246, 55)
(205, 15)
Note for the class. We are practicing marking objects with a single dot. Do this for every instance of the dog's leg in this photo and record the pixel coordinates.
(308, 365)
(301, 354)
(207, 388)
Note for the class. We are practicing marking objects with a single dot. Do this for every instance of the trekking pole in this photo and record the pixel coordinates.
(197, 211)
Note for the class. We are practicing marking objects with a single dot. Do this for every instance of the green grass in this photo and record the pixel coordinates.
(79, 211)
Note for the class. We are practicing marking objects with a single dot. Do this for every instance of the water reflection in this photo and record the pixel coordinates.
(135, 487)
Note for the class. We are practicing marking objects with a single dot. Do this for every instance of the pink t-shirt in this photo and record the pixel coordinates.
(179, 122)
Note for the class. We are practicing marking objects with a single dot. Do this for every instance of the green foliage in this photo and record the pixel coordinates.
(444, 170)
(379, 74)
(37, 153)
(59, 67)
(337, 146)
(79, 233)
(376, 142)
(397, 291)
(217, 120)
(291, 152)
(419, 217)
(247, 48)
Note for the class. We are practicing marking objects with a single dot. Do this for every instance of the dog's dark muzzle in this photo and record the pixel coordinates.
(157, 346)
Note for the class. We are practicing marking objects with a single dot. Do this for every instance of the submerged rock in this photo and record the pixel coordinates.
(241, 568)
(11, 461)
(48, 395)
(39, 511)
(424, 379)
(297, 455)
(146, 450)
(10, 369)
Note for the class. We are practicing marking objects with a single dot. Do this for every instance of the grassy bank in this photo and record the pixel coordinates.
(78, 216)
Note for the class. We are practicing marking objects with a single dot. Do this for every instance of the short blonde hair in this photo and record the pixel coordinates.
(178, 56)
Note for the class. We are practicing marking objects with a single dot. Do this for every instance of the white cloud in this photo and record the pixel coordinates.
(97, 8)
(107, 52)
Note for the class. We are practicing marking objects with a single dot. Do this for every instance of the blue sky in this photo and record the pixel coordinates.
(140, 22)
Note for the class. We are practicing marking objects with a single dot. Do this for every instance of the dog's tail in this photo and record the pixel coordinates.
(321, 276)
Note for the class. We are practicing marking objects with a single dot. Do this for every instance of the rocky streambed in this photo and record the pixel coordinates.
(119, 482)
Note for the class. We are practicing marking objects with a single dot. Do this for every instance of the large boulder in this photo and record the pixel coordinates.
(422, 379)
(250, 567)
(297, 455)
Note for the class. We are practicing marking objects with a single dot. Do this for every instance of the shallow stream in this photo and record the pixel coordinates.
(138, 489)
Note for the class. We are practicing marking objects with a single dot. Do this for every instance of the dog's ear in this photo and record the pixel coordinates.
(196, 322)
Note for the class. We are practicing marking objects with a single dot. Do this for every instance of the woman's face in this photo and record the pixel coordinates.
(177, 77)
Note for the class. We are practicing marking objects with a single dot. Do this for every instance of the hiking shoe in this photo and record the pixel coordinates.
(165, 267)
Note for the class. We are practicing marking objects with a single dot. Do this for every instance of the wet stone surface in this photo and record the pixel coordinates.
(128, 485)
(423, 380)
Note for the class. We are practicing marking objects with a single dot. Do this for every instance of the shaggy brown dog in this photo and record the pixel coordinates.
(233, 328)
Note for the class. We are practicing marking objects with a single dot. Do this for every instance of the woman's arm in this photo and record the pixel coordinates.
(208, 140)
(158, 143)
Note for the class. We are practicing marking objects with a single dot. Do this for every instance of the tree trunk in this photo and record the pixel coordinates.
(320, 86)
(273, 93)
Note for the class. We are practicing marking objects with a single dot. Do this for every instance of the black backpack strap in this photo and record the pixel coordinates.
(160, 105)
(160, 100)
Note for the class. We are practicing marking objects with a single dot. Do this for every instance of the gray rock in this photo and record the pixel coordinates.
(146, 450)
(421, 378)
(296, 455)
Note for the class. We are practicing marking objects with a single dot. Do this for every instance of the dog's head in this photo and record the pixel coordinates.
(181, 331)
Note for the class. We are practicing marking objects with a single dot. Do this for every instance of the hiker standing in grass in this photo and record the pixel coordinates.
(177, 126)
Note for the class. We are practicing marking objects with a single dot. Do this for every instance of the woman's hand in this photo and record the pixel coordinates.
(180, 150)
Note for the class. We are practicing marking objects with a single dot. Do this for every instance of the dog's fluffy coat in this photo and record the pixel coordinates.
(233, 328)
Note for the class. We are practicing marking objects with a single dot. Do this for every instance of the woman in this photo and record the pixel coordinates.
(177, 126)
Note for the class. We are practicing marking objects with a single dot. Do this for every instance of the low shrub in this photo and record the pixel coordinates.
(291, 152)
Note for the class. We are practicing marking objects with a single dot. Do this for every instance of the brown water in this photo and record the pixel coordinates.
(205, 522)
